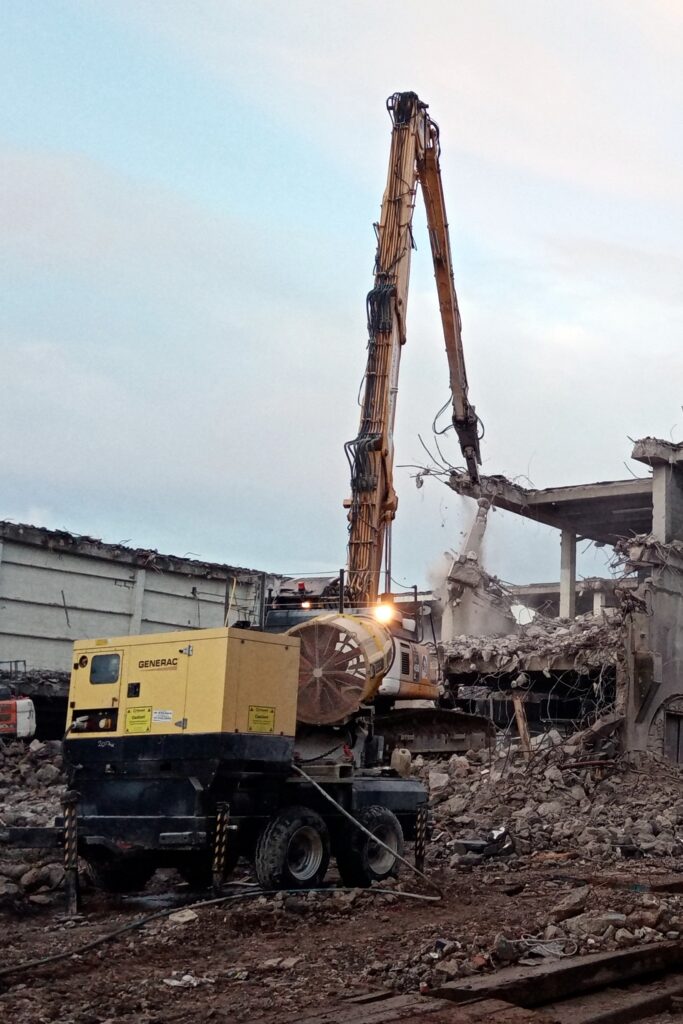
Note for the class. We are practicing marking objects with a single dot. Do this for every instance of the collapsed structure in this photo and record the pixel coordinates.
(625, 658)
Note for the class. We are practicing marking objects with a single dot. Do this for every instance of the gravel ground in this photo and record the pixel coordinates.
(263, 958)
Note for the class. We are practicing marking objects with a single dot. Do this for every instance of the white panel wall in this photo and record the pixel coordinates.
(48, 599)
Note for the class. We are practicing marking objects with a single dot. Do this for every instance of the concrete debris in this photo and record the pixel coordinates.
(185, 916)
(573, 903)
(585, 641)
(31, 781)
(31, 785)
(180, 980)
(576, 800)
(37, 683)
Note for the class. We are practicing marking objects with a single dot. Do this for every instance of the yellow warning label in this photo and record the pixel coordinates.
(138, 719)
(260, 719)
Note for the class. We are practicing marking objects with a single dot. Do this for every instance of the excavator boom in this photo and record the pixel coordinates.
(465, 419)
(414, 158)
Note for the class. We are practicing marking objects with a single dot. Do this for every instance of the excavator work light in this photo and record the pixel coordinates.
(384, 612)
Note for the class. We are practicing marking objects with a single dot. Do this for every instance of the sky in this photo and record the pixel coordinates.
(187, 194)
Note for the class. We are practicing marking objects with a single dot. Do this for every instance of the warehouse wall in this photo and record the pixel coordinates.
(49, 598)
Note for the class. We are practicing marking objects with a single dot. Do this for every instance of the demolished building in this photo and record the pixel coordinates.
(626, 654)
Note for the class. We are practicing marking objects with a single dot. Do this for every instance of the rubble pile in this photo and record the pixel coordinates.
(588, 640)
(579, 919)
(31, 784)
(36, 683)
(569, 801)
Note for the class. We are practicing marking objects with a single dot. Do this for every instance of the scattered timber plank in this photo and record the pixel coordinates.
(537, 986)
(619, 1006)
(522, 725)
(667, 883)
(375, 995)
(415, 1009)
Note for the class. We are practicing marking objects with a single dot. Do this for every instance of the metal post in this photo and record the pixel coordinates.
(262, 603)
(220, 843)
(421, 836)
(69, 805)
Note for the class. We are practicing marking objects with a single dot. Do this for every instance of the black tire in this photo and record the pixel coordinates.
(197, 868)
(121, 873)
(293, 850)
(361, 861)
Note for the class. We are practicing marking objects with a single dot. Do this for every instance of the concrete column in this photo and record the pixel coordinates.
(599, 600)
(667, 503)
(568, 575)
(138, 596)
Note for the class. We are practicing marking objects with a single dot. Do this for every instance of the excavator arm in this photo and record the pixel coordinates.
(414, 158)
(465, 419)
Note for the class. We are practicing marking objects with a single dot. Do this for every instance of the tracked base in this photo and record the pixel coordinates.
(434, 731)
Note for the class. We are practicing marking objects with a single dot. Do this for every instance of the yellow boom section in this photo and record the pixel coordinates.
(372, 506)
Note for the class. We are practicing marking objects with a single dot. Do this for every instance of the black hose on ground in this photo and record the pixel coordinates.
(28, 965)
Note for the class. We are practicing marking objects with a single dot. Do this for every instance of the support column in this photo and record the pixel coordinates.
(599, 599)
(666, 461)
(568, 575)
(138, 597)
(667, 503)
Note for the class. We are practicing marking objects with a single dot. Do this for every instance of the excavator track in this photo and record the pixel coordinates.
(434, 731)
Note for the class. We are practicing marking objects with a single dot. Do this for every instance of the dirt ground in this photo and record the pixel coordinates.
(332, 940)
(259, 958)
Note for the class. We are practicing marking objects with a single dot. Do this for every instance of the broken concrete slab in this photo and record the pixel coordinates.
(603, 512)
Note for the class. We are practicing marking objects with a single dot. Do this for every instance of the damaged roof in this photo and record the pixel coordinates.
(604, 512)
(92, 547)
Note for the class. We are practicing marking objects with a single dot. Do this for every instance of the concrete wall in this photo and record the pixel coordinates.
(52, 594)
(655, 657)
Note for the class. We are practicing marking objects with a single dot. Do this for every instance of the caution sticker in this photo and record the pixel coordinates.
(138, 719)
(260, 719)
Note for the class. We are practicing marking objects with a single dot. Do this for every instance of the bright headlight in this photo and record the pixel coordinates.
(384, 612)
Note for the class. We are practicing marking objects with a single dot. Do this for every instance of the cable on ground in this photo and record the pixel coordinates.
(28, 965)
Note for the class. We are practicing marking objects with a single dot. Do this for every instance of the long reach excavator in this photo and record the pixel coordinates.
(367, 651)
(414, 159)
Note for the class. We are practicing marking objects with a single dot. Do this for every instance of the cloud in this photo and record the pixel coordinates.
(546, 96)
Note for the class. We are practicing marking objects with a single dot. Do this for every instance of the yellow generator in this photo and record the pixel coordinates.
(184, 751)
(231, 693)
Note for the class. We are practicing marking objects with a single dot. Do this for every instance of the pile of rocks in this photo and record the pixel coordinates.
(615, 920)
(31, 781)
(36, 683)
(31, 784)
(587, 640)
(566, 799)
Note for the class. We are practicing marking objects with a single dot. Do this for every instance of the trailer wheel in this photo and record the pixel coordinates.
(293, 851)
(121, 873)
(362, 861)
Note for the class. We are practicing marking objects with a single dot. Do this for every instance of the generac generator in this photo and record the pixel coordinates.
(227, 693)
(171, 736)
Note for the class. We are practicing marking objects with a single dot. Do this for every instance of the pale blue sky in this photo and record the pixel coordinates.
(187, 192)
